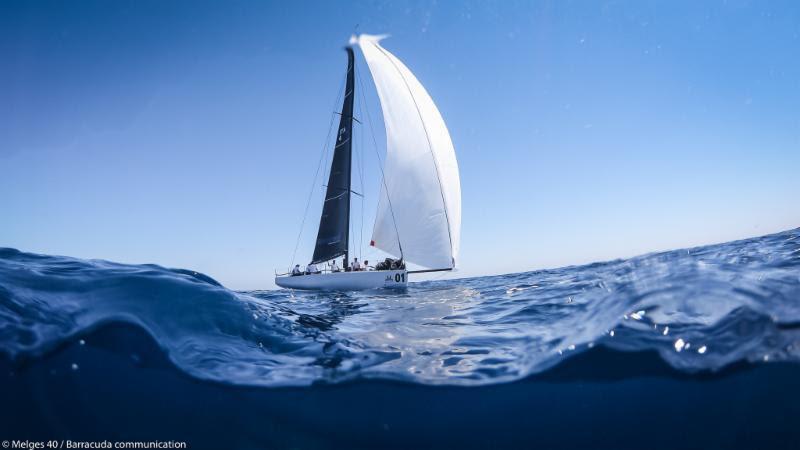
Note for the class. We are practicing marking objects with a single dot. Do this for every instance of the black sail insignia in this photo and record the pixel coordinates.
(332, 237)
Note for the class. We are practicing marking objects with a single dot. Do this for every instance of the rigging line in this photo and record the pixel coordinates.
(430, 146)
(319, 164)
(359, 138)
(353, 225)
(327, 167)
(363, 197)
(380, 165)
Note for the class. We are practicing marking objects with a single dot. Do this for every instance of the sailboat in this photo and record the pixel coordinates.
(418, 218)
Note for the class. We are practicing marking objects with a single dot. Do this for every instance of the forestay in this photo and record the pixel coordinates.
(419, 211)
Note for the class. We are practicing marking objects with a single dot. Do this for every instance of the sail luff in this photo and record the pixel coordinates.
(334, 226)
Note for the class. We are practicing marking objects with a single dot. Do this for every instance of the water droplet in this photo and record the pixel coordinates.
(74, 366)
(82, 342)
(611, 333)
(666, 330)
(702, 350)
(679, 344)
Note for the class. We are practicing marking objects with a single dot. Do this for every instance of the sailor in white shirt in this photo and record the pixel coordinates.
(296, 270)
(356, 265)
(334, 267)
(312, 268)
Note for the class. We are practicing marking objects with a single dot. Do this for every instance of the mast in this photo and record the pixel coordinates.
(334, 224)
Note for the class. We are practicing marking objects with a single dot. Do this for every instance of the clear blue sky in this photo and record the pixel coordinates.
(187, 133)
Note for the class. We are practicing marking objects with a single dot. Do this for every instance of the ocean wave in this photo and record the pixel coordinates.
(700, 310)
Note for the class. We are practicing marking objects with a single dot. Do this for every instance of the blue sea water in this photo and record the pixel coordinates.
(694, 348)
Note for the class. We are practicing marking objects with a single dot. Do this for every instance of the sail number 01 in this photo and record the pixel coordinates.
(398, 277)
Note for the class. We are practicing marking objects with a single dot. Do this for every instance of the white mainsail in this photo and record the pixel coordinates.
(420, 203)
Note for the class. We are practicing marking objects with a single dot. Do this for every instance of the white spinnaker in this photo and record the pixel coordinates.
(421, 194)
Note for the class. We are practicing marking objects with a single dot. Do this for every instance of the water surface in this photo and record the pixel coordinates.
(719, 325)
